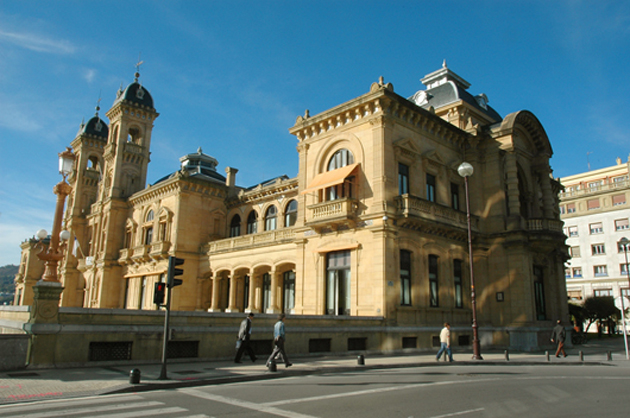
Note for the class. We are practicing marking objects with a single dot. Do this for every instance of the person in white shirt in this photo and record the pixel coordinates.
(445, 341)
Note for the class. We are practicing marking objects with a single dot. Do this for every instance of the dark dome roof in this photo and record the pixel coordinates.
(95, 126)
(137, 94)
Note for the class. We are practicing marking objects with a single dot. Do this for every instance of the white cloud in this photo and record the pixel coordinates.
(37, 43)
(89, 75)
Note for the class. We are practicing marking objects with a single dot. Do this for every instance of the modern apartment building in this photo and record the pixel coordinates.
(595, 209)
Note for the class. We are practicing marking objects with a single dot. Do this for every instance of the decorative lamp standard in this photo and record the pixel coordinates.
(624, 242)
(54, 253)
(466, 170)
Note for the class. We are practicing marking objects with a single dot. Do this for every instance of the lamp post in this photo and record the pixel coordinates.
(54, 253)
(466, 170)
(625, 242)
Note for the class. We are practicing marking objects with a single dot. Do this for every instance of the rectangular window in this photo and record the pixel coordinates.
(455, 196)
(594, 185)
(625, 292)
(621, 224)
(600, 271)
(621, 249)
(457, 279)
(430, 187)
(539, 294)
(592, 204)
(148, 236)
(623, 268)
(602, 292)
(433, 281)
(577, 271)
(574, 252)
(573, 231)
(570, 207)
(567, 273)
(289, 291)
(405, 278)
(338, 283)
(574, 294)
(596, 228)
(403, 179)
(562, 209)
(619, 199)
(143, 293)
(266, 291)
(598, 249)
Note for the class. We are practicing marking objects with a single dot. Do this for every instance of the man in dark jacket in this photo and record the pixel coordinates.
(244, 332)
(558, 336)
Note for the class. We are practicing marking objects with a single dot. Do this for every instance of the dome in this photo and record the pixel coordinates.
(135, 93)
(95, 127)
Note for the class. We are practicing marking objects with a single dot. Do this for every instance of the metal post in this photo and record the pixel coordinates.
(166, 333)
(473, 298)
(624, 241)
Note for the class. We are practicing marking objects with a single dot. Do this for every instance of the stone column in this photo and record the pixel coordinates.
(232, 296)
(45, 303)
(216, 296)
(548, 199)
(274, 296)
(253, 306)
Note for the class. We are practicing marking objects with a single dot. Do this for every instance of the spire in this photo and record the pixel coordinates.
(138, 64)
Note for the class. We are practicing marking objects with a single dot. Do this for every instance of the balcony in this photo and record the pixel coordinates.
(141, 253)
(411, 206)
(279, 236)
(545, 225)
(596, 189)
(159, 249)
(332, 214)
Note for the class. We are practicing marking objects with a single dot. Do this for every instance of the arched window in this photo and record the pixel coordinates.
(341, 158)
(252, 222)
(150, 216)
(148, 228)
(271, 218)
(235, 226)
(290, 214)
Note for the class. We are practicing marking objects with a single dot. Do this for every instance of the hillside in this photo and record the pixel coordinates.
(7, 288)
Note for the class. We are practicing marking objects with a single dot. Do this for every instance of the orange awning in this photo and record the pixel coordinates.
(330, 178)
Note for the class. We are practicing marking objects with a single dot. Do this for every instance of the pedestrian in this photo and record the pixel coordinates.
(558, 336)
(278, 341)
(243, 343)
(445, 343)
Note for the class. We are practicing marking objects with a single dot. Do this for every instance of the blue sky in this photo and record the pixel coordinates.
(232, 76)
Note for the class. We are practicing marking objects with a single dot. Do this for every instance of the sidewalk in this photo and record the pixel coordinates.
(38, 384)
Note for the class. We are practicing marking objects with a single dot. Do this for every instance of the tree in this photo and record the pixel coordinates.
(600, 308)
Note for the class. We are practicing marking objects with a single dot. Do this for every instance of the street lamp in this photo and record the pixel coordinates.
(54, 253)
(466, 170)
(623, 242)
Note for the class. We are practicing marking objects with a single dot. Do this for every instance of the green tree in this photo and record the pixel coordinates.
(600, 308)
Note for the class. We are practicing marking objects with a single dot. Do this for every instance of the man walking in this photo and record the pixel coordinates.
(278, 341)
(558, 336)
(445, 343)
(242, 343)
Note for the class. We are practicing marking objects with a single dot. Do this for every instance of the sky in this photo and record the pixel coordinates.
(231, 77)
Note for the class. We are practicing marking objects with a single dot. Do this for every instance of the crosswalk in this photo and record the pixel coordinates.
(119, 406)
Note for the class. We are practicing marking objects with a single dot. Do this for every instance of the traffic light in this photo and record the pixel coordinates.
(158, 293)
(173, 271)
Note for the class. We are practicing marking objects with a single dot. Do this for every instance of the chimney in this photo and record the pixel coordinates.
(230, 179)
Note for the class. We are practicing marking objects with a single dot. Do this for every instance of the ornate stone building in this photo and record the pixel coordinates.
(373, 226)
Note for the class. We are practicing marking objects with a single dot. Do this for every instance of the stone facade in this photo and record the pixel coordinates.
(373, 226)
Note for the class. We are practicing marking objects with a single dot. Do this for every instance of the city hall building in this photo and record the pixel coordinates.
(370, 240)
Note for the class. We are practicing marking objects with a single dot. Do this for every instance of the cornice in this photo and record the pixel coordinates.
(260, 194)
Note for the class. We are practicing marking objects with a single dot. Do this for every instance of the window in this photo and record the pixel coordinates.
(403, 179)
(574, 294)
(570, 207)
(577, 271)
(594, 185)
(430, 187)
(433, 281)
(405, 278)
(338, 283)
(567, 273)
(246, 292)
(573, 231)
(341, 158)
(539, 294)
(598, 249)
(457, 279)
(600, 271)
(128, 238)
(290, 215)
(621, 224)
(619, 199)
(623, 268)
(621, 249)
(625, 292)
(252, 222)
(592, 204)
(289, 291)
(562, 209)
(150, 216)
(455, 196)
(148, 235)
(266, 292)
(271, 218)
(235, 226)
(602, 292)
(596, 228)
(143, 293)
(574, 252)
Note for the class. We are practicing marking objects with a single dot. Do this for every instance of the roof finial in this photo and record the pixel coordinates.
(199, 150)
(140, 62)
(444, 64)
(98, 103)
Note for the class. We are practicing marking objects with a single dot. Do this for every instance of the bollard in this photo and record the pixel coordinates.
(547, 354)
(507, 356)
(134, 376)
(609, 355)
(273, 367)
(361, 360)
(581, 355)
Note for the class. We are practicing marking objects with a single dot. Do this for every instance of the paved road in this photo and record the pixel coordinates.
(438, 391)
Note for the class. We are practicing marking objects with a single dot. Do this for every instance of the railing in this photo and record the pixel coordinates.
(415, 206)
(544, 225)
(595, 189)
(252, 240)
(332, 213)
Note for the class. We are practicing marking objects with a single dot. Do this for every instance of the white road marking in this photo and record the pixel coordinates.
(51, 403)
(148, 413)
(245, 404)
(454, 414)
(67, 412)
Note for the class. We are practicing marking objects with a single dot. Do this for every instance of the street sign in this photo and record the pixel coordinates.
(626, 303)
